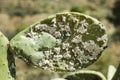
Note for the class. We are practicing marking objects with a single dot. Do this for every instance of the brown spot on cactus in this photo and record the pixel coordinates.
(63, 42)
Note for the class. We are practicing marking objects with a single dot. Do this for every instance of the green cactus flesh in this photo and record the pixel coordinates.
(7, 66)
(62, 42)
(86, 75)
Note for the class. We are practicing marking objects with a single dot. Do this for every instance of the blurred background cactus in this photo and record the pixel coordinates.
(7, 65)
(10, 25)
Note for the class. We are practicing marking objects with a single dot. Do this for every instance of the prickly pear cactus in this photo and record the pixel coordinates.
(62, 42)
(86, 75)
(7, 66)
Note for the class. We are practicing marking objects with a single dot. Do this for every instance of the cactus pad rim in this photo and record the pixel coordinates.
(87, 72)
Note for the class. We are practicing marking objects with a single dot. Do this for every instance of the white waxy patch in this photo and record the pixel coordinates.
(57, 34)
(46, 67)
(67, 55)
(77, 39)
(64, 28)
(57, 50)
(103, 38)
(40, 64)
(92, 58)
(81, 29)
(48, 53)
(51, 64)
(65, 46)
(46, 62)
(102, 26)
(84, 23)
(68, 34)
(53, 25)
(67, 28)
(87, 33)
(41, 27)
(63, 18)
(71, 66)
(78, 52)
(61, 26)
(51, 30)
(37, 27)
(31, 34)
(54, 20)
(75, 19)
(91, 47)
(57, 57)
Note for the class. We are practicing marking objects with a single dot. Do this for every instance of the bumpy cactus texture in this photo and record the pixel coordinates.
(86, 75)
(7, 66)
(62, 42)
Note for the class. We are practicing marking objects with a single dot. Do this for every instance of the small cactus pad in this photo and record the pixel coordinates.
(7, 66)
(86, 75)
(63, 42)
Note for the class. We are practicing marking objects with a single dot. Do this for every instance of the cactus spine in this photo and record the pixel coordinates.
(7, 68)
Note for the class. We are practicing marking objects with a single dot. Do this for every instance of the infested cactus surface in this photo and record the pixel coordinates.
(7, 65)
(62, 42)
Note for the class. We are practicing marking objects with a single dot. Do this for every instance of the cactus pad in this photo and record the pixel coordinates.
(62, 42)
(7, 65)
(86, 75)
